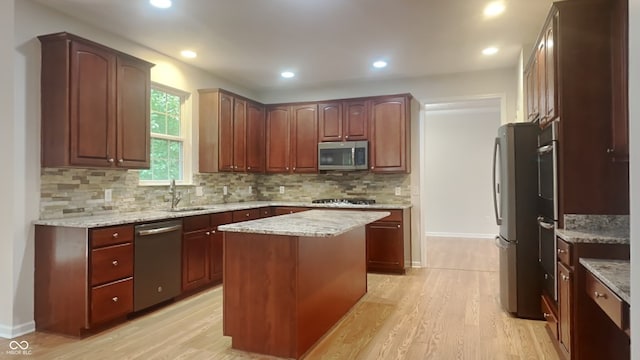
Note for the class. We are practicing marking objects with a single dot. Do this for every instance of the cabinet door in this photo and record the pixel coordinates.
(225, 132)
(255, 137)
(239, 135)
(355, 120)
(195, 259)
(385, 247)
(388, 141)
(330, 121)
(133, 108)
(619, 148)
(215, 244)
(304, 138)
(92, 106)
(278, 133)
(550, 72)
(565, 287)
(529, 87)
(541, 88)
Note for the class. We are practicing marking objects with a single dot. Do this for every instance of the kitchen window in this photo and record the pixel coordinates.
(170, 145)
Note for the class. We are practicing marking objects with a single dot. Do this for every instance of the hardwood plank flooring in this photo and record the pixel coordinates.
(449, 310)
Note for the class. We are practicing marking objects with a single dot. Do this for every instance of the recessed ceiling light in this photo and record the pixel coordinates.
(490, 50)
(287, 74)
(188, 54)
(162, 4)
(494, 9)
(379, 64)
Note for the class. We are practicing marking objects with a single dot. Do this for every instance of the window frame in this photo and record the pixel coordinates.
(186, 120)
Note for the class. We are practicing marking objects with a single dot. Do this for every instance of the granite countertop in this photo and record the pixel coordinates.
(613, 273)
(94, 221)
(597, 229)
(596, 236)
(315, 223)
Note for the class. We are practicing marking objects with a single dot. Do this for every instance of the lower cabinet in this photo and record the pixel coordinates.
(283, 210)
(389, 243)
(215, 244)
(83, 277)
(565, 287)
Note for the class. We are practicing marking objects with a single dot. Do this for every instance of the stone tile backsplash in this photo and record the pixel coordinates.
(80, 192)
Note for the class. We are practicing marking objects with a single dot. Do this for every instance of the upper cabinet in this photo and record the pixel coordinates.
(292, 138)
(343, 120)
(231, 133)
(95, 105)
(389, 129)
(582, 87)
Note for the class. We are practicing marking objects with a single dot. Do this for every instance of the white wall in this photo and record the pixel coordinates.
(20, 138)
(634, 136)
(8, 215)
(458, 158)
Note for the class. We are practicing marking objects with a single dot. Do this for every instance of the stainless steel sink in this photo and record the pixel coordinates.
(189, 208)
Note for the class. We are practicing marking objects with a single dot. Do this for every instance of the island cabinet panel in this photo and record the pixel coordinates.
(276, 301)
(94, 103)
(83, 277)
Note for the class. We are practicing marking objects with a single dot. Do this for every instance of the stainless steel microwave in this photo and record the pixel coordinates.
(346, 155)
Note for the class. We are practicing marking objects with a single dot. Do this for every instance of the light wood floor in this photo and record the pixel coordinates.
(449, 310)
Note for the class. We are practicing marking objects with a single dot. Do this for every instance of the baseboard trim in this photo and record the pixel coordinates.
(461, 235)
(11, 332)
(416, 264)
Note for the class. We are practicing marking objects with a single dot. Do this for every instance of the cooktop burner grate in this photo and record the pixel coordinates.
(345, 201)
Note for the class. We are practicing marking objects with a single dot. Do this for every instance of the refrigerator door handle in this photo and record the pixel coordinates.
(501, 243)
(496, 186)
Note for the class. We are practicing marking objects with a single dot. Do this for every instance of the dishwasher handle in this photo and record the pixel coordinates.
(161, 230)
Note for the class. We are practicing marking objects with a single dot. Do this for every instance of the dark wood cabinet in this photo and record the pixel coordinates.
(578, 97)
(565, 287)
(215, 244)
(389, 126)
(83, 277)
(343, 120)
(232, 127)
(292, 138)
(195, 252)
(94, 103)
(540, 76)
(283, 210)
(619, 148)
(389, 243)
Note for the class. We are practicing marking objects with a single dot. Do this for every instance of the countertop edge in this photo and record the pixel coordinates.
(592, 237)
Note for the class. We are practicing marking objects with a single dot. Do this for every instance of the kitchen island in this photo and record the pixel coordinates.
(288, 279)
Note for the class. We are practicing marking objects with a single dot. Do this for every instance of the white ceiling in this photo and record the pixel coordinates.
(326, 42)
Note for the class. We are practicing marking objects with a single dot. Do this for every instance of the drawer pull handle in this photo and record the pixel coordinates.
(115, 235)
(561, 251)
(115, 299)
(599, 295)
(115, 263)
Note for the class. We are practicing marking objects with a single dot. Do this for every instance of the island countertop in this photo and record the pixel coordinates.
(315, 223)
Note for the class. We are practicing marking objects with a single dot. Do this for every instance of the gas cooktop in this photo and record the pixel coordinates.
(345, 201)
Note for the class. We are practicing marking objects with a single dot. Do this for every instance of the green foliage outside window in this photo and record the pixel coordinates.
(166, 143)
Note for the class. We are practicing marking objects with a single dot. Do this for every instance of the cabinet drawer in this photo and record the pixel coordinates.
(111, 263)
(221, 219)
(244, 215)
(195, 223)
(265, 212)
(550, 317)
(610, 303)
(283, 210)
(396, 215)
(564, 252)
(111, 235)
(111, 300)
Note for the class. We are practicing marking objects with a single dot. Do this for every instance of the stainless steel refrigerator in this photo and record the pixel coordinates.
(515, 204)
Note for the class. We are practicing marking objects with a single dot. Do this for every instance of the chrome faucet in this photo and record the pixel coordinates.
(176, 196)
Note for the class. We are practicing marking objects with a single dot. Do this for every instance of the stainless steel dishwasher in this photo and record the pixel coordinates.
(157, 263)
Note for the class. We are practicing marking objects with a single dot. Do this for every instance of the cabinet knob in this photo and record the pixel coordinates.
(213, 232)
(120, 161)
(248, 167)
(207, 233)
(115, 299)
(115, 235)
(546, 315)
(609, 150)
(115, 263)
(346, 136)
(110, 160)
(565, 277)
(287, 168)
(561, 251)
(398, 226)
(247, 214)
(599, 295)
(372, 168)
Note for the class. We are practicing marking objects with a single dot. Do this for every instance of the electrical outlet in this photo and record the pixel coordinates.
(281, 189)
(225, 190)
(107, 195)
(250, 189)
(398, 191)
(199, 191)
